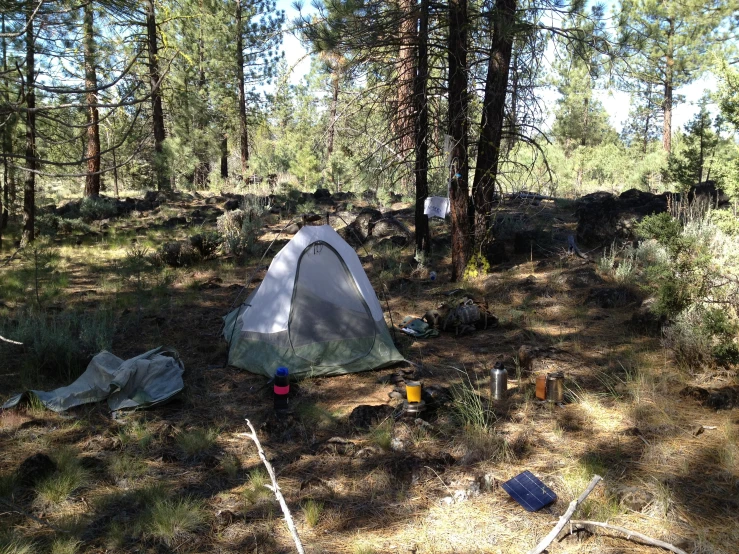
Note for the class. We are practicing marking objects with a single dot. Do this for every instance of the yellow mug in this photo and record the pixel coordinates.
(413, 391)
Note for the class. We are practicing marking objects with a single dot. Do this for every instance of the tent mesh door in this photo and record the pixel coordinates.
(330, 323)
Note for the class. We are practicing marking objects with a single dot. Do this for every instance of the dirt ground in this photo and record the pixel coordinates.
(670, 466)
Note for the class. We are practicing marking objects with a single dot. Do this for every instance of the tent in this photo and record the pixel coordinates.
(315, 313)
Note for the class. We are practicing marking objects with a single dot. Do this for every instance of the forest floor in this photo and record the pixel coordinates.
(182, 477)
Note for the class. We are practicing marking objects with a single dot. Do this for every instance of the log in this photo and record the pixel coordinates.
(546, 541)
(630, 535)
(275, 488)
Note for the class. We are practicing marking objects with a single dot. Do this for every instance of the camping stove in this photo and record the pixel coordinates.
(414, 409)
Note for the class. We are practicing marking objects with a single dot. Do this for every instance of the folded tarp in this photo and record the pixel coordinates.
(143, 381)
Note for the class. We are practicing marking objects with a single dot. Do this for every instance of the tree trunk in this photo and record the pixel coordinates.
(29, 187)
(491, 127)
(7, 142)
(156, 98)
(332, 114)
(202, 170)
(92, 180)
(405, 68)
(224, 157)
(458, 102)
(667, 106)
(243, 128)
(423, 238)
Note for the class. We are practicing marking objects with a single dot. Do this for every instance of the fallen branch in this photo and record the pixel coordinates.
(546, 541)
(630, 535)
(275, 488)
(2, 338)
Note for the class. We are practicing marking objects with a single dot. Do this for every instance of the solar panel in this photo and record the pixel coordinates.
(526, 489)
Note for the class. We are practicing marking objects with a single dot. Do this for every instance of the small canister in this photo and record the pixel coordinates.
(281, 389)
(541, 386)
(556, 387)
(498, 382)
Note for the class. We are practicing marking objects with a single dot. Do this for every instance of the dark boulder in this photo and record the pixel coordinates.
(365, 416)
(389, 227)
(35, 468)
(709, 193)
(322, 194)
(604, 217)
(495, 252)
(583, 278)
(231, 205)
(610, 297)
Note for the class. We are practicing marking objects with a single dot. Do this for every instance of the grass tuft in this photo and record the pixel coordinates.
(256, 490)
(170, 519)
(382, 434)
(69, 477)
(65, 546)
(125, 466)
(312, 509)
(196, 441)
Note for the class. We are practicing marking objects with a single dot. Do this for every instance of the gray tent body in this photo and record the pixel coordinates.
(315, 313)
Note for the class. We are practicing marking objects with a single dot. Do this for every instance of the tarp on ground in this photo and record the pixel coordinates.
(146, 380)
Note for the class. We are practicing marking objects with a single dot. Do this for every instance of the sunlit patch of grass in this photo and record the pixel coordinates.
(363, 549)
(168, 519)
(68, 477)
(312, 510)
(65, 546)
(255, 487)
(125, 466)
(14, 545)
(196, 441)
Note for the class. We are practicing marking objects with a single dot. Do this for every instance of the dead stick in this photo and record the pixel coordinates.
(630, 535)
(275, 488)
(546, 541)
(2, 338)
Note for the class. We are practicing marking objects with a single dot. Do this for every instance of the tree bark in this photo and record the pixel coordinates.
(29, 186)
(156, 98)
(224, 157)
(92, 181)
(405, 69)
(7, 142)
(459, 171)
(667, 106)
(202, 170)
(243, 127)
(423, 238)
(491, 127)
(332, 114)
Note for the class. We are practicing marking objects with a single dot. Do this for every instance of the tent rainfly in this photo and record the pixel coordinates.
(315, 313)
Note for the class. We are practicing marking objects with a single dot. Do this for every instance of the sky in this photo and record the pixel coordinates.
(615, 102)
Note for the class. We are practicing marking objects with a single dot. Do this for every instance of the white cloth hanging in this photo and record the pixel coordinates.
(436, 206)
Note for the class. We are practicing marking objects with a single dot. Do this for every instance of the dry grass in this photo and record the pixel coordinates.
(624, 420)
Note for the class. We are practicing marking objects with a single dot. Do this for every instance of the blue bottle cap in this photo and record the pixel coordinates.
(281, 372)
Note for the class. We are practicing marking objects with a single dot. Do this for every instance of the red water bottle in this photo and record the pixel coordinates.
(281, 389)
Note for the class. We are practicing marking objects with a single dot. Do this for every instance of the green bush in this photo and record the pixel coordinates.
(693, 284)
(58, 345)
(93, 209)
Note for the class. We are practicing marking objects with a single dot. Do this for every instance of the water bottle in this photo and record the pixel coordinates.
(498, 382)
(432, 276)
(281, 389)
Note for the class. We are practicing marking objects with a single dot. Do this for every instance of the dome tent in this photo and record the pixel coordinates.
(315, 312)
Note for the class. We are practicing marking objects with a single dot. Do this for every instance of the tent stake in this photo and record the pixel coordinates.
(275, 488)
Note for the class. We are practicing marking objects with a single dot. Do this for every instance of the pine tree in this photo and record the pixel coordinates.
(689, 164)
(667, 43)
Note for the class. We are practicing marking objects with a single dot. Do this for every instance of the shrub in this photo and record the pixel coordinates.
(239, 229)
(178, 254)
(62, 344)
(92, 209)
(692, 279)
(206, 243)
